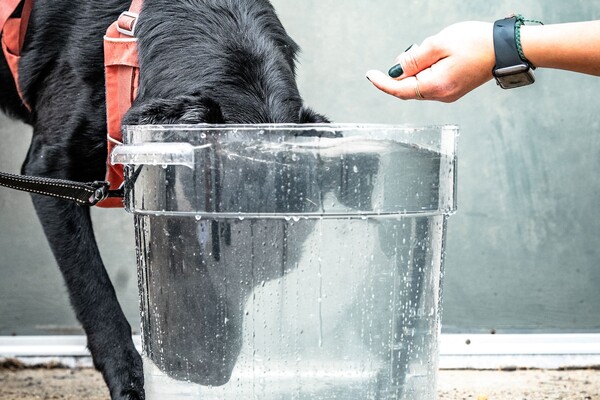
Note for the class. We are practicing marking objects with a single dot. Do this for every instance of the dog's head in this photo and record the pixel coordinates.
(216, 62)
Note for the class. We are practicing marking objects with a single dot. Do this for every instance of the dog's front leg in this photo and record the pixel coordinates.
(68, 228)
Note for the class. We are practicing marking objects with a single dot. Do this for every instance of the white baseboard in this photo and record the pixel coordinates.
(457, 351)
(547, 351)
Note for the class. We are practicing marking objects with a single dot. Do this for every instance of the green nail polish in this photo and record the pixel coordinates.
(409, 47)
(396, 71)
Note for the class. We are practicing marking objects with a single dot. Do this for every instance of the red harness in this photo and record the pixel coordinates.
(13, 34)
(121, 68)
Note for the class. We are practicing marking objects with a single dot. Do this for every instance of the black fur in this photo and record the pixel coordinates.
(215, 61)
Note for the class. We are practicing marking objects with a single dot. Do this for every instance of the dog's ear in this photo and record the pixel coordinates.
(178, 110)
(308, 116)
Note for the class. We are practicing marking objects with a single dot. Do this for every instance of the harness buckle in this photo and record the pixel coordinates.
(127, 23)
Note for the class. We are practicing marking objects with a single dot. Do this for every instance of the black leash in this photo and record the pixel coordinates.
(87, 194)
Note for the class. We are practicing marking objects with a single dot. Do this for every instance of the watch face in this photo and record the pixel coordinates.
(509, 78)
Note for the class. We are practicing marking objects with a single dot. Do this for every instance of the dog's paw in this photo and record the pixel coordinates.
(123, 373)
(133, 395)
(133, 391)
(179, 110)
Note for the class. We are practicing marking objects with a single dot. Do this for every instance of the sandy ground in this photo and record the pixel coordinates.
(18, 383)
(519, 385)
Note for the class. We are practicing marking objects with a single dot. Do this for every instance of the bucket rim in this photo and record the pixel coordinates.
(295, 127)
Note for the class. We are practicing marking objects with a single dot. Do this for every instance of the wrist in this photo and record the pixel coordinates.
(519, 24)
(569, 46)
(532, 44)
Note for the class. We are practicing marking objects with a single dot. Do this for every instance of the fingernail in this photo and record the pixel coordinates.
(409, 47)
(396, 71)
(369, 79)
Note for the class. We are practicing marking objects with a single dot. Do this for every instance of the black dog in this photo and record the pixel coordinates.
(202, 61)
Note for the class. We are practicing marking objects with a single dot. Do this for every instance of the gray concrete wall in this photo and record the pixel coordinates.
(523, 249)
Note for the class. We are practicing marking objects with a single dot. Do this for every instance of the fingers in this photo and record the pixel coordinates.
(433, 83)
(415, 59)
(405, 79)
(383, 82)
(402, 61)
(405, 89)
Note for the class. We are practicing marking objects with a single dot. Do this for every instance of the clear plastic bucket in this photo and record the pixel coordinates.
(290, 261)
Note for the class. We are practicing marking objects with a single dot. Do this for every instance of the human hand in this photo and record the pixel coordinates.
(444, 67)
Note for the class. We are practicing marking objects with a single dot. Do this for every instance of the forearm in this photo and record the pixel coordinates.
(572, 46)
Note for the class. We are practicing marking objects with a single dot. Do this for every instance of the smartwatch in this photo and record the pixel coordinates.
(511, 70)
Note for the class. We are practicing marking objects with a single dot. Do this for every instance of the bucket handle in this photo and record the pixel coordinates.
(155, 154)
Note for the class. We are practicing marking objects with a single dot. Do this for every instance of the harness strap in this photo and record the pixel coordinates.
(7, 8)
(13, 36)
(122, 80)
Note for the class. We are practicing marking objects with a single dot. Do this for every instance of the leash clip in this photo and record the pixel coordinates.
(127, 23)
(101, 192)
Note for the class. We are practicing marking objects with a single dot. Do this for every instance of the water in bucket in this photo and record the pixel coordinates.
(290, 262)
